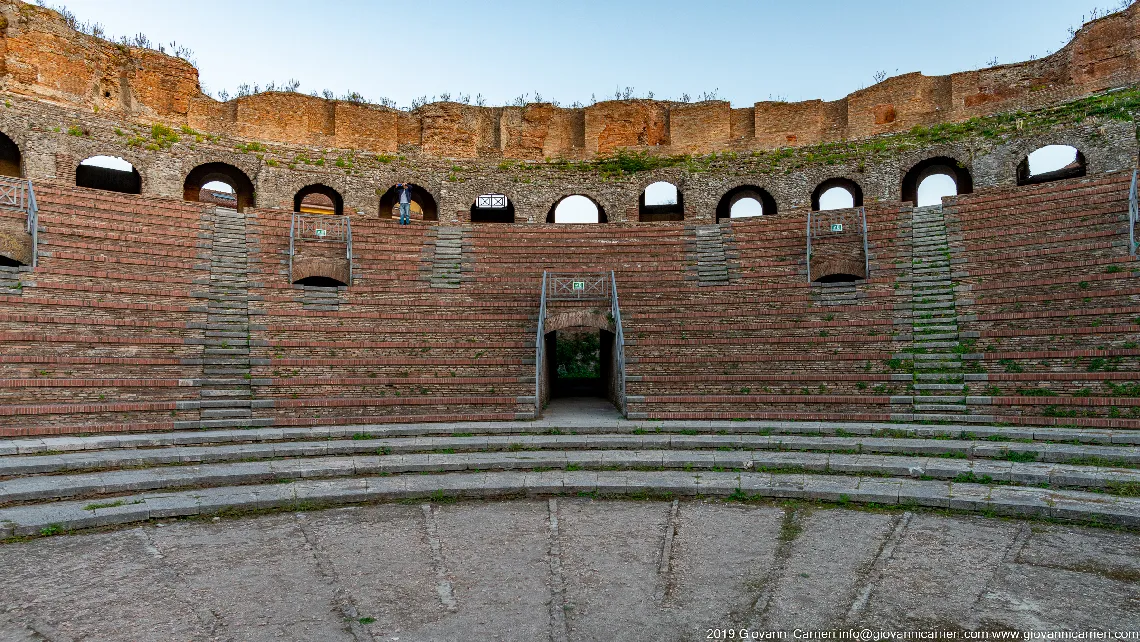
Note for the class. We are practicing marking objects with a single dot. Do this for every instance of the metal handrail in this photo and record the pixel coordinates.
(579, 286)
(540, 349)
(320, 228)
(619, 342)
(18, 194)
(825, 222)
(1133, 215)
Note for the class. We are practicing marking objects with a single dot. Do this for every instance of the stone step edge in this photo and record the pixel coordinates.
(909, 430)
(63, 517)
(181, 456)
(107, 486)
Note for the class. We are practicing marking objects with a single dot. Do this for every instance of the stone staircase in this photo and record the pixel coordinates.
(840, 293)
(226, 393)
(52, 485)
(707, 255)
(939, 388)
(10, 280)
(448, 256)
(320, 298)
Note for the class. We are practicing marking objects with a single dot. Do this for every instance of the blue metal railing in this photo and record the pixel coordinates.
(1133, 216)
(18, 194)
(540, 349)
(619, 344)
(323, 228)
(838, 222)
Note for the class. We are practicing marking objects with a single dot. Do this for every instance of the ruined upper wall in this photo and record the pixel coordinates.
(43, 58)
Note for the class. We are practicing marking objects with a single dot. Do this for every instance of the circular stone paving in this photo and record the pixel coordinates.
(566, 569)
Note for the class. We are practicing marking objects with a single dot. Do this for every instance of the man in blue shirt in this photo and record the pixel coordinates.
(404, 191)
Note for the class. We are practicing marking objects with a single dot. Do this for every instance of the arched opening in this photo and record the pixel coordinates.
(422, 207)
(930, 180)
(207, 181)
(109, 173)
(745, 201)
(320, 282)
(661, 201)
(1051, 163)
(318, 199)
(10, 164)
(492, 208)
(839, 278)
(576, 208)
(837, 194)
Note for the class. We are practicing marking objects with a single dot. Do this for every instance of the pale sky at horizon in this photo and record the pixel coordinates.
(754, 49)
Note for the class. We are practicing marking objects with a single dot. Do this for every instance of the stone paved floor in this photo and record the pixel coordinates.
(567, 569)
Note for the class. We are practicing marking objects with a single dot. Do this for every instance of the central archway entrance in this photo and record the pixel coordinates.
(579, 357)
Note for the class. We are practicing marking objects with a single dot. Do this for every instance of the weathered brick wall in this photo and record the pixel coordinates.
(44, 59)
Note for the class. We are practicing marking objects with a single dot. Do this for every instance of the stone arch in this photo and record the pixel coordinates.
(493, 208)
(845, 183)
(741, 192)
(221, 172)
(320, 271)
(657, 212)
(1077, 168)
(581, 318)
(924, 169)
(601, 210)
(335, 200)
(102, 172)
(838, 269)
(421, 198)
(11, 161)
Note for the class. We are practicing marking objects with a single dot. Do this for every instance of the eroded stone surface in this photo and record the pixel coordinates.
(370, 573)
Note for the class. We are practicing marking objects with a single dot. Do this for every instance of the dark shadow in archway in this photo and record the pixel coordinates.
(7, 262)
(1076, 169)
(10, 163)
(839, 278)
(601, 211)
(579, 362)
(420, 196)
(937, 165)
(724, 207)
(846, 183)
(320, 282)
(108, 179)
(492, 208)
(223, 173)
(333, 196)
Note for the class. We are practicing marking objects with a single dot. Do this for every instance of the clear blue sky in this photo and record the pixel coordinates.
(747, 50)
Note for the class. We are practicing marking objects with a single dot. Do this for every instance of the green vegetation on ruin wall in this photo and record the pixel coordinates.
(1118, 105)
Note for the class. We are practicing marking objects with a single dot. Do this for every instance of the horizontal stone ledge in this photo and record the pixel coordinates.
(1017, 502)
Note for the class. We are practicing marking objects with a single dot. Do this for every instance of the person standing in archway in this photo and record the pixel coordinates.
(404, 191)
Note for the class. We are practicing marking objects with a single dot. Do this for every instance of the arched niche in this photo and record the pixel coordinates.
(318, 199)
(492, 208)
(916, 178)
(1051, 163)
(108, 173)
(661, 201)
(747, 201)
(423, 204)
(221, 173)
(576, 208)
(846, 184)
(10, 159)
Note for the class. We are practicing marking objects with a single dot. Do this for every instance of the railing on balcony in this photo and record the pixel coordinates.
(321, 228)
(18, 194)
(1133, 216)
(579, 287)
(829, 222)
